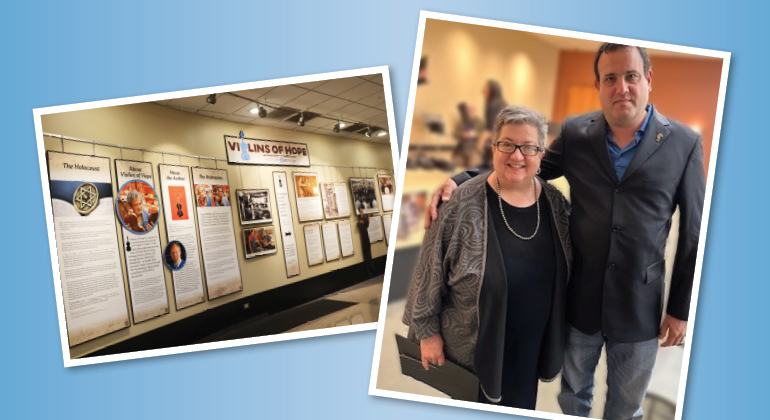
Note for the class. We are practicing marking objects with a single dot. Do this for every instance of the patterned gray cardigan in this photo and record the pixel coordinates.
(444, 295)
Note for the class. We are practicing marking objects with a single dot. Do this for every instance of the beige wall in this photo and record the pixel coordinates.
(462, 57)
(157, 127)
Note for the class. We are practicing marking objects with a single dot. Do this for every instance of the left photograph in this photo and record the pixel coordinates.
(149, 199)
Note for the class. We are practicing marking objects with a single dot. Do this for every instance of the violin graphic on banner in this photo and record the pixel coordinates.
(244, 148)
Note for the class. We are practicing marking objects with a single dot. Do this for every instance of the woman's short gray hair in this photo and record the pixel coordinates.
(515, 114)
(132, 196)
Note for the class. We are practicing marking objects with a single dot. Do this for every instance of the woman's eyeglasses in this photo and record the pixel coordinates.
(526, 149)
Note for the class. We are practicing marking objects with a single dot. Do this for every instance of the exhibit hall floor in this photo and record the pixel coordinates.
(357, 304)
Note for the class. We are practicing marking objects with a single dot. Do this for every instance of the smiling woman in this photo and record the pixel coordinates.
(503, 320)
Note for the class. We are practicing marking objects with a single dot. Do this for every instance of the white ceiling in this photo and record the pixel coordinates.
(358, 99)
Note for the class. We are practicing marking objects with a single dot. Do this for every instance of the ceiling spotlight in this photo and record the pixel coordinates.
(368, 132)
(212, 99)
(301, 121)
(259, 109)
(337, 128)
(382, 133)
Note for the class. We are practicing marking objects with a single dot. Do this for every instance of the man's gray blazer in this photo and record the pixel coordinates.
(619, 227)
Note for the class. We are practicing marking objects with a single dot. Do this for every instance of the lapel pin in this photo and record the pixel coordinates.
(659, 137)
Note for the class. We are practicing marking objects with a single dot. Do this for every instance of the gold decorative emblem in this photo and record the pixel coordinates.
(86, 198)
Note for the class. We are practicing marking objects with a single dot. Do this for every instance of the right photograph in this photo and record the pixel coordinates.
(551, 223)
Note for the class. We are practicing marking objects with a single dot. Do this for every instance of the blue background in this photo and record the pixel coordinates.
(57, 54)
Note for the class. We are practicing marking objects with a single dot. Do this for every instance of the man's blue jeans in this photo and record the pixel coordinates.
(629, 369)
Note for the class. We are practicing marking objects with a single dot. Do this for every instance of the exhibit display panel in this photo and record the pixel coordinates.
(386, 222)
(331, 243)
(87, 246)
(375, 229)
(335, 200)
(138, 207)
(346, 238)
(215, 224)
(364, 196)
(308, 196)
(387, 191)
(313, 244)
(180, 226)
(286, 222)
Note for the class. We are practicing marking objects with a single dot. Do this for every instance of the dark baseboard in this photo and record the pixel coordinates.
(196, 328)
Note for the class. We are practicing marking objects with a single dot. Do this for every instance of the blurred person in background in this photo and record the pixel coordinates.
(466, 133)
(493, 104)
(489, 287)
(628, 168)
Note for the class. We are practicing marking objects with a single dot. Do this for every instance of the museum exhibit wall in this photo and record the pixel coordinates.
(685, 89)
(465, 56)
(156, 127)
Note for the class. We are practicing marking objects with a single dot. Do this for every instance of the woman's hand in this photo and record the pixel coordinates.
(432, 351)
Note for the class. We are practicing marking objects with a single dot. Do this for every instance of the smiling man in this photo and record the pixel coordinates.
(629, 168)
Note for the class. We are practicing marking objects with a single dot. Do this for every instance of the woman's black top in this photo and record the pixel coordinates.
(530, 268)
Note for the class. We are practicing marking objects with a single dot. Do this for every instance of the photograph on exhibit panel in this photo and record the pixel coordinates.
(335, 200)
(137, 206)
(209, 195)
(254, 206)
(190, 229)
(537, 131)
(387, 191)
(364, 195)
(259, 241)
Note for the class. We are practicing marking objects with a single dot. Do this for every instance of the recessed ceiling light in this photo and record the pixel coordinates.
(382, 133)
(254, 110)
(342, 125)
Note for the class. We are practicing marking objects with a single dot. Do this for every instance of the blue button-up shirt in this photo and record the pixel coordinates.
(621, 158)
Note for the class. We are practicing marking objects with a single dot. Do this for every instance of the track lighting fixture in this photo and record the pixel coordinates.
(212, 99)
(337, 127)
(260, 110)
(301, 121)
(368, 132)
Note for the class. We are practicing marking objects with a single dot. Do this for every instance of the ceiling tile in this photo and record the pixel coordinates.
(285, 125)
(306, 129)
(361, 91)
(163, 102)
(336, 86)
(376, 100)
(320, 122)
(226, 104)
(241, 120)
(377, 78)
(368, 114)
(311, 85)
(193, 102)
(254, 93)
(308, 100)
(181, 108)
(328, 107)
(217, 115)
(350, 110)
(282, 94)
(246, 110)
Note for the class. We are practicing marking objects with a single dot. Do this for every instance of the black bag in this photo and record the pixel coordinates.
(451, 379)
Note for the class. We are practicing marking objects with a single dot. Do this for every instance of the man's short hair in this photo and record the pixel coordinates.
(176, 244)
(132, 196)
(608, 47)
(515, 114)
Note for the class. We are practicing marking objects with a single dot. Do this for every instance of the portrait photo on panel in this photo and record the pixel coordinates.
(254, 206)
(137, 206)
(364, 195)
(175, 255)
(551, 227)
(259, 241)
